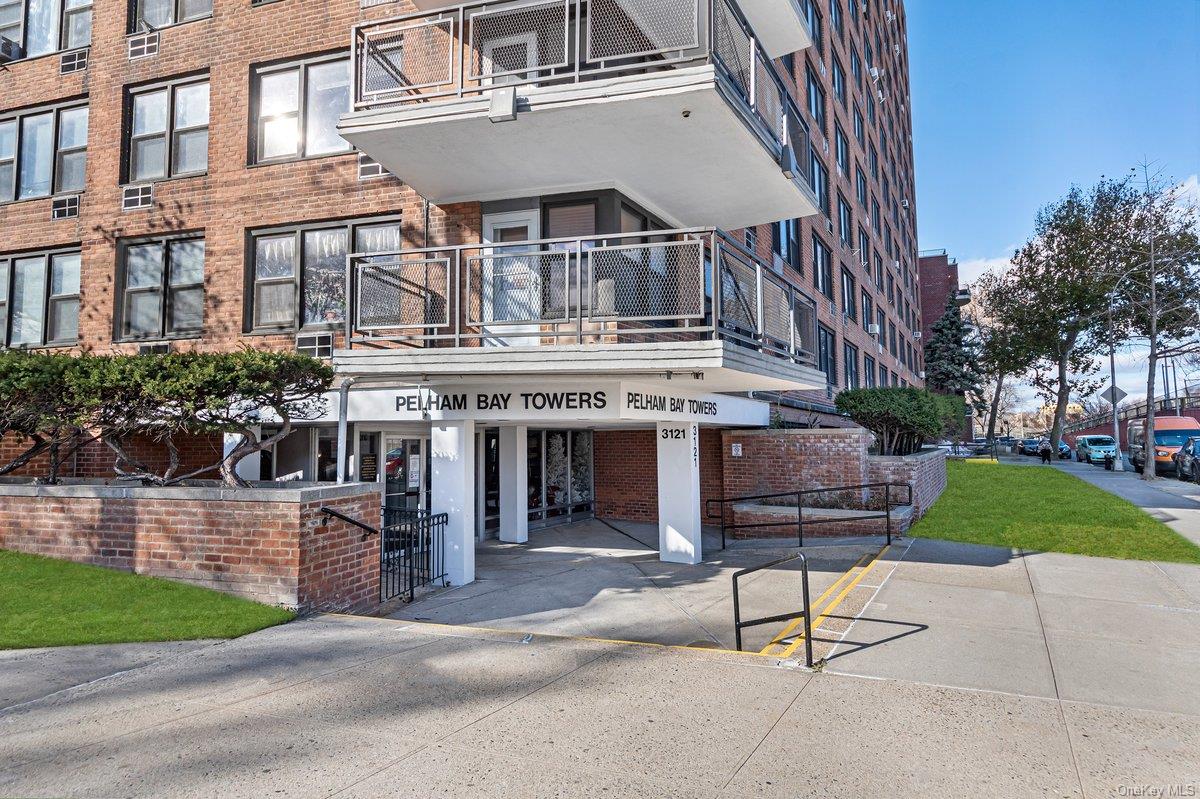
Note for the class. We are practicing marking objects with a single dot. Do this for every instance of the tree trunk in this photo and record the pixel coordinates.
(248, 446)
(38, 446)
(1064, 397)
(995, 409)
(1148, 470)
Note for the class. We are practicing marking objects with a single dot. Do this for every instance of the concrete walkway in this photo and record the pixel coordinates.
(356, 707)
(600, 580)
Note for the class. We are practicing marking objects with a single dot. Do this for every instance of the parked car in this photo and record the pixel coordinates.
(1064, 450)
(1170, 433)
(1187, 460)
(1092, 449)
(1029, 446)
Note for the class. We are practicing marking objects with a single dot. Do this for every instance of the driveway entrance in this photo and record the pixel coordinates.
(594, 579)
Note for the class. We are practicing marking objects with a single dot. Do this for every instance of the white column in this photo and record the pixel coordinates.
(250, 467)
(514, 484)
(679, 492)
(452, 491)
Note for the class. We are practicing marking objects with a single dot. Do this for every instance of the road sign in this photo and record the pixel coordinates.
(1112, 395)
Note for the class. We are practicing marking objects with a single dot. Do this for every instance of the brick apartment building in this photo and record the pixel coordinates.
(645, 220)
(939, 282)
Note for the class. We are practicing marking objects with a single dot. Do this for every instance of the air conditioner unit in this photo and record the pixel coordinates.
(873, 329)
(895, 264)
(879, 347)
(10, 50)
(154, 349)
(882, 97)
(917, 335)
(876, 73)
(890, 15)
(904, 203)
(921, 374)
(896, 48)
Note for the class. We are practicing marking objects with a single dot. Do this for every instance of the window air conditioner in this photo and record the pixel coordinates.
(921, 374)
(10, 50)
(873, 329)
(917, 334)
(876, 73)
(891, 16)
(904, 203)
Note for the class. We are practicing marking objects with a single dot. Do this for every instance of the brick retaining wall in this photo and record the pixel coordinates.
(266, 544)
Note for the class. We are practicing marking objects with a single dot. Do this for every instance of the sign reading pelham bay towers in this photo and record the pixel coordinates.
(597, 401)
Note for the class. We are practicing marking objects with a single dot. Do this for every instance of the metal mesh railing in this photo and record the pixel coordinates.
(676, 285)
(470, 48)
(404, 294)
(739, 292)
(517, 41)
(517, 288)
(647, 281)
(628, 28)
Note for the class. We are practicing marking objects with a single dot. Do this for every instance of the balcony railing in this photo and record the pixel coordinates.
(475, 48)
(679, 285)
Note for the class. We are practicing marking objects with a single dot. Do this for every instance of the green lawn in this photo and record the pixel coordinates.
(46, 602)
(1041, 508)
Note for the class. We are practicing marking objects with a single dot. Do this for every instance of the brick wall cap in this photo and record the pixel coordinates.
(261, 492)
(789, 512)
(924, 455)
(800, 431)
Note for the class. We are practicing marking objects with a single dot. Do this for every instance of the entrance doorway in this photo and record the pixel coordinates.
(406, 472)
(560, 476)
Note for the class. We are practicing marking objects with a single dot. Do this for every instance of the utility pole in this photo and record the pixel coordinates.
(1119, 461)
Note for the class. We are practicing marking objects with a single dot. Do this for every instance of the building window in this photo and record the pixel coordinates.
(826, 354)
(785, 242)
(859, 130)
(822, 267)
(814, 25)
(842, 145)
(39, 299)
(878, 271)
(845, 221)
(891, 289)
(868, 311)
(874, 156)
(860, 184)
(43, 152)
(883, 376)
(816, 99)
(856, 70)
(168, 131)
(46, 26)
(835, 17)
(162, 285)
(892, 339)
(839, 82)
(297, 107)
(161, 13)
(876, 223)
(868, 371)
(750, 238)
(850, 361)
(864, 249)
(299, 273)
(820, 181)
(849, 307)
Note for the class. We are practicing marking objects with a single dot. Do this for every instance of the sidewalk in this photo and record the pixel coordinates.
(1168, 499)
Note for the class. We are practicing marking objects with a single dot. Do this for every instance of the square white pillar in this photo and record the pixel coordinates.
(452, 491)
(514, 484)
(679, 538)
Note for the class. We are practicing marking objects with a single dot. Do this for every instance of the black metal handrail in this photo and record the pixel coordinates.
(800, 507)
(366, 528)
(806, 613)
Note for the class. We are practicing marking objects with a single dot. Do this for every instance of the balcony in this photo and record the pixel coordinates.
(690, 302)
(672, 102)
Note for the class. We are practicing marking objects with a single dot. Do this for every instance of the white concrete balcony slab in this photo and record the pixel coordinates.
(690, 305)
(672, 102)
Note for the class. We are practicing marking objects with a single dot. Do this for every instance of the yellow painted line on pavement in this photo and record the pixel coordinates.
(837, 601)
(794, 623)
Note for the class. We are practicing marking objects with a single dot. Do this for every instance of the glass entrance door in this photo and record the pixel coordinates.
(406, 473)
(560, 476)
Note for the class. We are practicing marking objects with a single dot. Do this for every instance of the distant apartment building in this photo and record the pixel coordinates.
(552, 247)
(939, 283)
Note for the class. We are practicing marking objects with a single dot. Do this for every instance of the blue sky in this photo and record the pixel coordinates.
(1013, 102)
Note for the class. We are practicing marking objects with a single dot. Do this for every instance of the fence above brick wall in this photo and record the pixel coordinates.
(270, 544)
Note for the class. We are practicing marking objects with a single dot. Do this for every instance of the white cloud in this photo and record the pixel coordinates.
(971, 269)
(1189, 189)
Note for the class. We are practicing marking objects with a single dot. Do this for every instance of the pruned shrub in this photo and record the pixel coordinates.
(160, 397)
(902, 419)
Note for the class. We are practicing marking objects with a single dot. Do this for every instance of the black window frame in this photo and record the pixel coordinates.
(138, 24)
(822, 267)
(868, 310)
(827, 353)
(297, 230)
(869, 374)
(47, 256)
(170, 135)
(850, 364)
(166, 288)
(16, 118)
(815, 99)
(64, 16)
(301, 66)
(849, 292)
(845, 221)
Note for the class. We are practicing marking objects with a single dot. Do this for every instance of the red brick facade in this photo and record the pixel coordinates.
(94, 459)
(625, 463)
(272, 546)
(939, 282)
